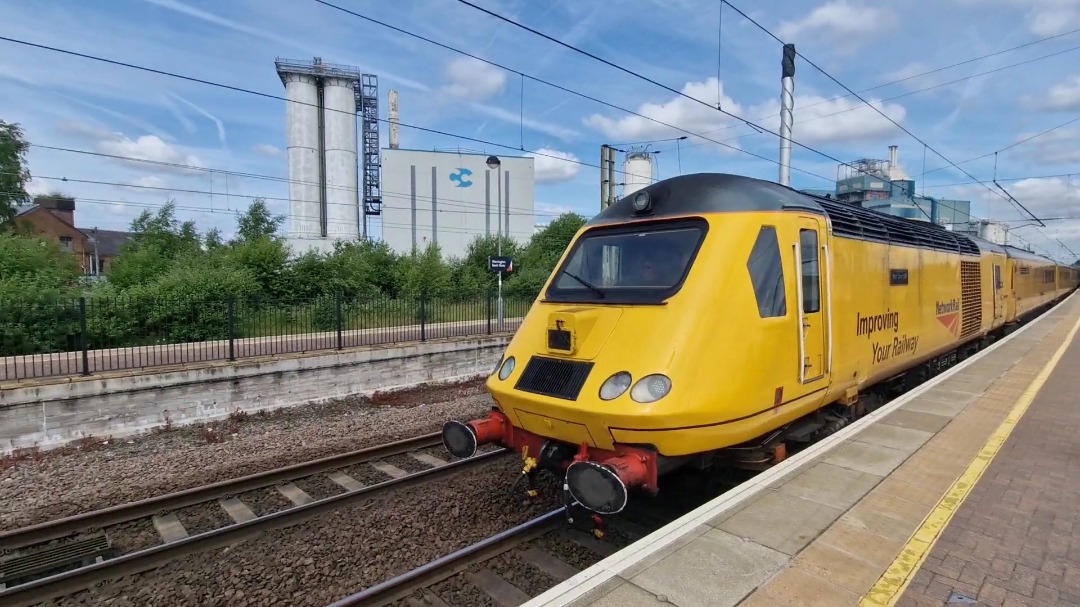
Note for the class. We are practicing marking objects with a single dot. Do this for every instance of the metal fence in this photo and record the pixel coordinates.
(85, 336)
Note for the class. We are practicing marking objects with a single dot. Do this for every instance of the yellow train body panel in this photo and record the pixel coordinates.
(779, 310)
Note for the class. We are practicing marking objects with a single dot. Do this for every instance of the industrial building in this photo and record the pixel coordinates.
(884, 186)
(320, 116)
(451, 198)
(422, 197)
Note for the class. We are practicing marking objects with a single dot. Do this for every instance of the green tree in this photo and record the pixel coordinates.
(158, 241)
(538, 259)
(258, 222)
(13, 171)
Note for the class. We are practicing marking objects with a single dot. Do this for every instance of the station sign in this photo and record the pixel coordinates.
(501, 264)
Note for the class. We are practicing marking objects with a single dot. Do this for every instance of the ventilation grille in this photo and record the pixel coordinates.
(970, 297)
(866, 224)
(554, 377)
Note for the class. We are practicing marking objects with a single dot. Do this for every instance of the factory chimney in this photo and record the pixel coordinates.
(892, 160)
(395, 134)
(787, 103)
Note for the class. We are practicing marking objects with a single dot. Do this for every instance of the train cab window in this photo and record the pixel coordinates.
(767, 274)
(810, 273)
(629, 264)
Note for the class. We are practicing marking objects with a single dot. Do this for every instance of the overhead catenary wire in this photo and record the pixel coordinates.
(883, 100)
(425, 129)
(1009, 147)
(883, 114)
(556, 86)
(281, 98)
(235, 212)
(659, 84)
(929, 72)
(386, 193)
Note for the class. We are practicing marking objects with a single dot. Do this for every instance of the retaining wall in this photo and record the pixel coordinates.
(125, 403)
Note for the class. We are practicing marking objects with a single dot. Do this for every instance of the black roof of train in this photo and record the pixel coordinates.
(728, 193)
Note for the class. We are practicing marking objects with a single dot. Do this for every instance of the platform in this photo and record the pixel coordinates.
(964, 491)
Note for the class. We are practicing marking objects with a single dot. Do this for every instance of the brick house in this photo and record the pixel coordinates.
(54, 218)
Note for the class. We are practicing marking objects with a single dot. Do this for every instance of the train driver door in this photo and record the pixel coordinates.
(812, 280)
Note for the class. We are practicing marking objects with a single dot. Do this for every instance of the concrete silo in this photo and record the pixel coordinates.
(321, 120)
(302, 119)
(339, 143)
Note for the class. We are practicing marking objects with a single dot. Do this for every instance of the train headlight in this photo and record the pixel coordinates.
(651, 388)
(615, 385)
(507, 368)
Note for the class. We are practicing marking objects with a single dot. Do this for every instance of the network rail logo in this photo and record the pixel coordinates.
(460, 177)
(948, 314)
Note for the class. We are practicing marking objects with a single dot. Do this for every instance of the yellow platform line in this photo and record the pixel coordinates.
(891, 585)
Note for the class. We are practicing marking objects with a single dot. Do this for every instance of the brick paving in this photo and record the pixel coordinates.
(1016, 538)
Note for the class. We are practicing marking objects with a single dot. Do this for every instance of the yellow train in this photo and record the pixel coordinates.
(716, 317)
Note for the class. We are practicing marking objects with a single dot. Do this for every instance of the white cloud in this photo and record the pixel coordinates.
(268, 150)
(679, 111)
(474, 80)
(1056, 147)
(146, 181)
(549, 170)
(843, 21)
(821, 120)
(1048, 199)
(148, 147)
(1044, 17)
(1064, 96)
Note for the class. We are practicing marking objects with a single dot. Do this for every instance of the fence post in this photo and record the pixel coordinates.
(487, 296)
(84, 343)
(423, 316)
(338, 318)
(232, 328)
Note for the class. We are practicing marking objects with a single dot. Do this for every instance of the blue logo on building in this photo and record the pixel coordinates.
(460, 178)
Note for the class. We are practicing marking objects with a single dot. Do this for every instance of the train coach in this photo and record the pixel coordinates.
(718, 318)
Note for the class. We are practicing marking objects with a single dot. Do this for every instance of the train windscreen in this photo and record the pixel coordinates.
(644, 265)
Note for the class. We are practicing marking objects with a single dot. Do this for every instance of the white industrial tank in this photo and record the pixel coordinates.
(342, 200)
(302, 134)
(639, 171)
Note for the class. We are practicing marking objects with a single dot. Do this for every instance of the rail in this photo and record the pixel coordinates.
(50, 530)
(62, 584)
(401, 586)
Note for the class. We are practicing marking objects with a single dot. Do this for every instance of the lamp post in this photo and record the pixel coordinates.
(493, 162)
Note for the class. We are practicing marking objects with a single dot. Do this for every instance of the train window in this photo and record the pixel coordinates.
(767, 274)
(808, 241)
(629, 264)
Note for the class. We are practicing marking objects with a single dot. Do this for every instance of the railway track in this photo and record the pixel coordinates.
(66, 555)
(514, 565)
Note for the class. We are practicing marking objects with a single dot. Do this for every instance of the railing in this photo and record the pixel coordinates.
(85, 336)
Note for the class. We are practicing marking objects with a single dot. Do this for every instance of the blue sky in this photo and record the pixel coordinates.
(70, 102)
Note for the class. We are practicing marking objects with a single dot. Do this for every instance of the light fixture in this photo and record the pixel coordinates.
(493, 162)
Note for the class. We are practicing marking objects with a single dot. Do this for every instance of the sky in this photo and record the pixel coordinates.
(216, 149)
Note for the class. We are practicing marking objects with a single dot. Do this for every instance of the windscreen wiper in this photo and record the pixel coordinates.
(594, 288)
